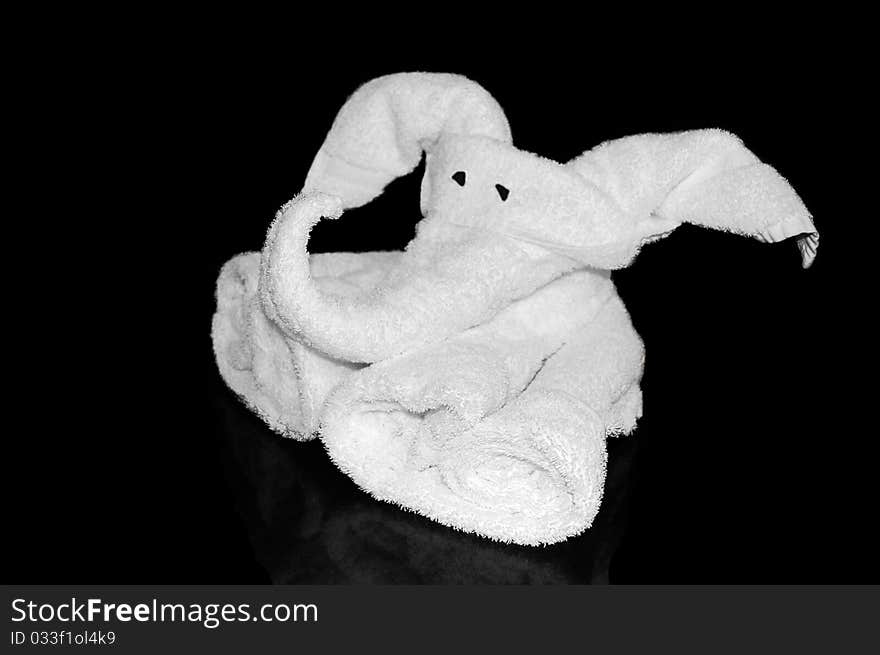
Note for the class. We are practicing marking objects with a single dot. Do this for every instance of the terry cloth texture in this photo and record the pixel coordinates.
(475, 376)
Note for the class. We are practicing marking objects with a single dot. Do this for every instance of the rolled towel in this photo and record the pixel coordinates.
(380, 132)
(501, 223)
(500, 430)
(639, 189)
(501, 355)
(704, 177)
(282, 380)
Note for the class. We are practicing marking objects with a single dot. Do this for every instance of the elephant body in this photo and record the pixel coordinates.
(475, 376)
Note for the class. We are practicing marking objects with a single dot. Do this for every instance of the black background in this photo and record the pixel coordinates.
(752, 464)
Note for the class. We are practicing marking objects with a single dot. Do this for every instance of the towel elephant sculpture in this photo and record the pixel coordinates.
(475, 376)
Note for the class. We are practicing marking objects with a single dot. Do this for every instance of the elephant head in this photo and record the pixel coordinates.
(498, 222)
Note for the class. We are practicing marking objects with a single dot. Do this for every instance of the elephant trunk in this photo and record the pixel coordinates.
(438, 289)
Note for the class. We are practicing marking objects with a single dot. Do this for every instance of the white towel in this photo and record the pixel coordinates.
(501, 429)
(475, 376)
(283, 380)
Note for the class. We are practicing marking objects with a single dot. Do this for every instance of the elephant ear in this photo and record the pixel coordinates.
(381, 131)
(703, 177)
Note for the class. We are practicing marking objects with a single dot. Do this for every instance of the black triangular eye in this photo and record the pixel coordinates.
(459, 177)
(502, 191)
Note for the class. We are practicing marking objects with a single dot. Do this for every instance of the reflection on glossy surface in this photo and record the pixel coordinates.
(310, 524)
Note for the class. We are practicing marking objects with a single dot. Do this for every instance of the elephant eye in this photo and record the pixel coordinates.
(459, 177)
(503, 191)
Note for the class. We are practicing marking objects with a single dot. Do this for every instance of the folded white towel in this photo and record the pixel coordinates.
(499, 430)
(283, 380)
(381, 131)
(500, 354)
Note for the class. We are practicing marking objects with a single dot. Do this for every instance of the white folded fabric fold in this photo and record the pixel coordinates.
(283, 380)
(474, 376)
(490, 432)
